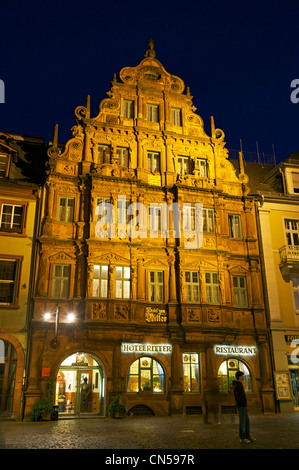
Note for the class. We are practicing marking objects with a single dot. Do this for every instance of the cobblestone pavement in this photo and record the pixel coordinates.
(273, 431)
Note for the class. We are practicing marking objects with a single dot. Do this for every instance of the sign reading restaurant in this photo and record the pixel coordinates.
(146, 348)
(234, 350)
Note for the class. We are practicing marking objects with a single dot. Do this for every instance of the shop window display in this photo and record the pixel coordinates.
(146, 374)
(227, 374)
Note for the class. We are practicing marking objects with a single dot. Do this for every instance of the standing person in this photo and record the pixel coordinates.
(241, 403)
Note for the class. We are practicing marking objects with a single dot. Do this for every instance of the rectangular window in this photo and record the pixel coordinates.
(153, 161)
(123, 156)
(183, 166)
(292, 233)
(12, 218)
(152, 112)
(234, 222)
(203, 167)
(4, 159)
(188, 217)
(191, 372)
(295, 179)
(156, 286)
(122, 282)
(212, 288)
(295, 285)
(208, 220)
(66, 209)
(100, 281)
(129, 109)
(122, 211)
(155, 214)
(176, 117)
(192, 286)
(103, 201)
(240, 291)
(8, 281)
(61, 281)
(103, 154)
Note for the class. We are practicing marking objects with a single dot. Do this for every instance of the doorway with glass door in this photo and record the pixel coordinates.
(80, 386)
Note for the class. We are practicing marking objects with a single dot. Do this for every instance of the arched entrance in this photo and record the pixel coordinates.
(80, 386)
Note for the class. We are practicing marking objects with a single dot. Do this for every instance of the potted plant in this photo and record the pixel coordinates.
(146, 387)
(43, 409)
(117, 409)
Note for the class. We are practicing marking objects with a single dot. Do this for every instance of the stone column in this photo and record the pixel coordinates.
(176, 388)
(140, 280)
(211, 389)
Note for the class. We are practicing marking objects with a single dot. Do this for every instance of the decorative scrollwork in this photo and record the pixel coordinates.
(80, 112)
(54, 152)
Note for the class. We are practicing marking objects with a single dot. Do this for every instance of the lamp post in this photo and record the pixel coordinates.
(71, 317)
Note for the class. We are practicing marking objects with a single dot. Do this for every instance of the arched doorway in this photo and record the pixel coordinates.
(227, 374)
(80, 386)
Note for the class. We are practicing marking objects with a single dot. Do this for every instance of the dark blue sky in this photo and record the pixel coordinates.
(237, 57)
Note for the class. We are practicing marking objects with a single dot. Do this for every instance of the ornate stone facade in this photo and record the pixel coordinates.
(148, 145)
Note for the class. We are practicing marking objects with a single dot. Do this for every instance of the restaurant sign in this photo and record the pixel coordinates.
(224, 350)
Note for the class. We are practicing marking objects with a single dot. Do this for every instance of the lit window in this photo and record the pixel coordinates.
(146, 374)
(8, 281)
(128, 109)
(122, 282)
(208, 220)
(152, 112)
(192, 286)
(234, 222)
(240, 291)
(227, 374)
(191, 372)
(156, 286)
(153, 161)
(100, 281)
(11, 218)
(66, 209)
(212, 288)
(176, 117)
(61, 281)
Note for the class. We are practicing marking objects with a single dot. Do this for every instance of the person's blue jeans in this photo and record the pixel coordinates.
(244, 423)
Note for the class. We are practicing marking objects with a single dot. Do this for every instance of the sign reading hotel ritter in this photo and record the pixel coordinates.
(146, 348)
(155, 315)
(234, 350)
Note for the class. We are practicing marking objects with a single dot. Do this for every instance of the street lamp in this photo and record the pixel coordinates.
(48, 316)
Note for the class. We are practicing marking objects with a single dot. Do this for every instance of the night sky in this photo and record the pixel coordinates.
(238, 58)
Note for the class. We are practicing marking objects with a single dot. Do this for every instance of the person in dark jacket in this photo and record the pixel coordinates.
(241, 403)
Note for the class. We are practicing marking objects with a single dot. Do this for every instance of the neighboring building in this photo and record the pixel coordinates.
(20, 170)
(277, 188)
(158, 315)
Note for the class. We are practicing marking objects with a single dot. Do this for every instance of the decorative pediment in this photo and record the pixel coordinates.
(109, 258)
(155, 262)
(238, 270)
(62, 256)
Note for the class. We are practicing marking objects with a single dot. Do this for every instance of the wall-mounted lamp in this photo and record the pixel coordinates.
(48, 316)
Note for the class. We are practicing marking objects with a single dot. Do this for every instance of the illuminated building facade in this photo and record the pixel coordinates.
(19, 196)
(151, 301)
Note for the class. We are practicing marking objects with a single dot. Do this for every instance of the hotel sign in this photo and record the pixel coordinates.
(155, 315)
(146, 348)
(234, 350)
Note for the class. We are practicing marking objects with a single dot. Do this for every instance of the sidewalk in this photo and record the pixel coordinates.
(273, 431)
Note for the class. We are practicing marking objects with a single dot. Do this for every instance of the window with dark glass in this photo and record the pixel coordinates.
(12, 218)
(4, 159)
(292, 232)
(191, 372)
(8, 281)
(146, 374)
(234, 223)
(104, 154)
